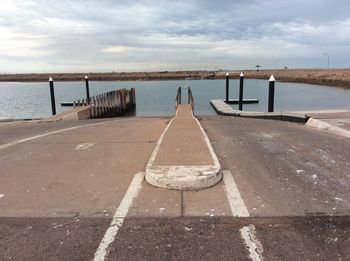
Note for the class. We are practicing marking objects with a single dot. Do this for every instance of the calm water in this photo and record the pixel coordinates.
(156, 98)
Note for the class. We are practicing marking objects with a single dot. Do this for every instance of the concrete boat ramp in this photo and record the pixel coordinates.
(114, 189)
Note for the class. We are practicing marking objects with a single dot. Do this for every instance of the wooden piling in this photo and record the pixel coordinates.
(110, 104)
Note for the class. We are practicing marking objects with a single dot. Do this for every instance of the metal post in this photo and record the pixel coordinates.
(241, 79)
(87, 89)
(227, 86)
(271, 93)
(52, 94)
(188, 95)
(180, 95)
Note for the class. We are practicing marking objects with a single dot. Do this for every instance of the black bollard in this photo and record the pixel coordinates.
(271, 93)
(52, 94)
(87, 89)
(241, 79)
(227, 86)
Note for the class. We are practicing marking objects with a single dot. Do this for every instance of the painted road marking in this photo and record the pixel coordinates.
(211, 150)
(248, 233)
(119, 216)
(157, 147)
(239, 209)
(4, 146)
(234, 198)
(84, 146)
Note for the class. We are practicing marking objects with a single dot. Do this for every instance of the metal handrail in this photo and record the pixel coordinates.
(178, 97)
(190, 99)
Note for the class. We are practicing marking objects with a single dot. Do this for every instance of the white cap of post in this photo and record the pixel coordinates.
(241, 75)
(86, 77)
(227, 74)
(272, 79)
(50, 80)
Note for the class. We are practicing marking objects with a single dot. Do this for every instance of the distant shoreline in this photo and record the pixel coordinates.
(334, 77)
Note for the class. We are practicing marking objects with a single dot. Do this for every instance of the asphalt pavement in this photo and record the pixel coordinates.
(61, 187)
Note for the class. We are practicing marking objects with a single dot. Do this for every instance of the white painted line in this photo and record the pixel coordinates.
(234, 198)
(211, 150)
(157, 147)
(254, 245)
(119, 216)
(84, 146)
(7, 145)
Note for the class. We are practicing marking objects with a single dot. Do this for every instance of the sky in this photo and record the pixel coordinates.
(42, 36)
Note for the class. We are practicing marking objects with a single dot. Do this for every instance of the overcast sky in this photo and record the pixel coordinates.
(144, 35)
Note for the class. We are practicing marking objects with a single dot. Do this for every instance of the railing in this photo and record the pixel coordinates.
(178, 97)
(190, 97)
(110, 104)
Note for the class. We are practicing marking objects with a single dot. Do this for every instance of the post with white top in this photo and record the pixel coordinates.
(271, 93)
(52, 94)
(87, 89)
(241, 79)
(227, 86)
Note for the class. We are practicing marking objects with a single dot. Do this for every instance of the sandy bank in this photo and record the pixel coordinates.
(335, 77)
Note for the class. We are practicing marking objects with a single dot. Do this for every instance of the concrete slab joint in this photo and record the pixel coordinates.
(177, 173)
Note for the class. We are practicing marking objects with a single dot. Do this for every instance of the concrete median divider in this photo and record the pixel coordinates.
(183, 158)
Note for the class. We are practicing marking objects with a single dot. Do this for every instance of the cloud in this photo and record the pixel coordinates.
(120, 50)
(147, 35)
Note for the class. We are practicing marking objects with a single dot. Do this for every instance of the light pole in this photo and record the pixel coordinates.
(327, 59)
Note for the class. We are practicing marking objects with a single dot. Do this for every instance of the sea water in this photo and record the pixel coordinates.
(157, 98)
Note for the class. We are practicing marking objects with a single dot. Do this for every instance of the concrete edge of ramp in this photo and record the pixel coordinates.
(224, 109)
(183, 177)
(78, 113)
(324, 126)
